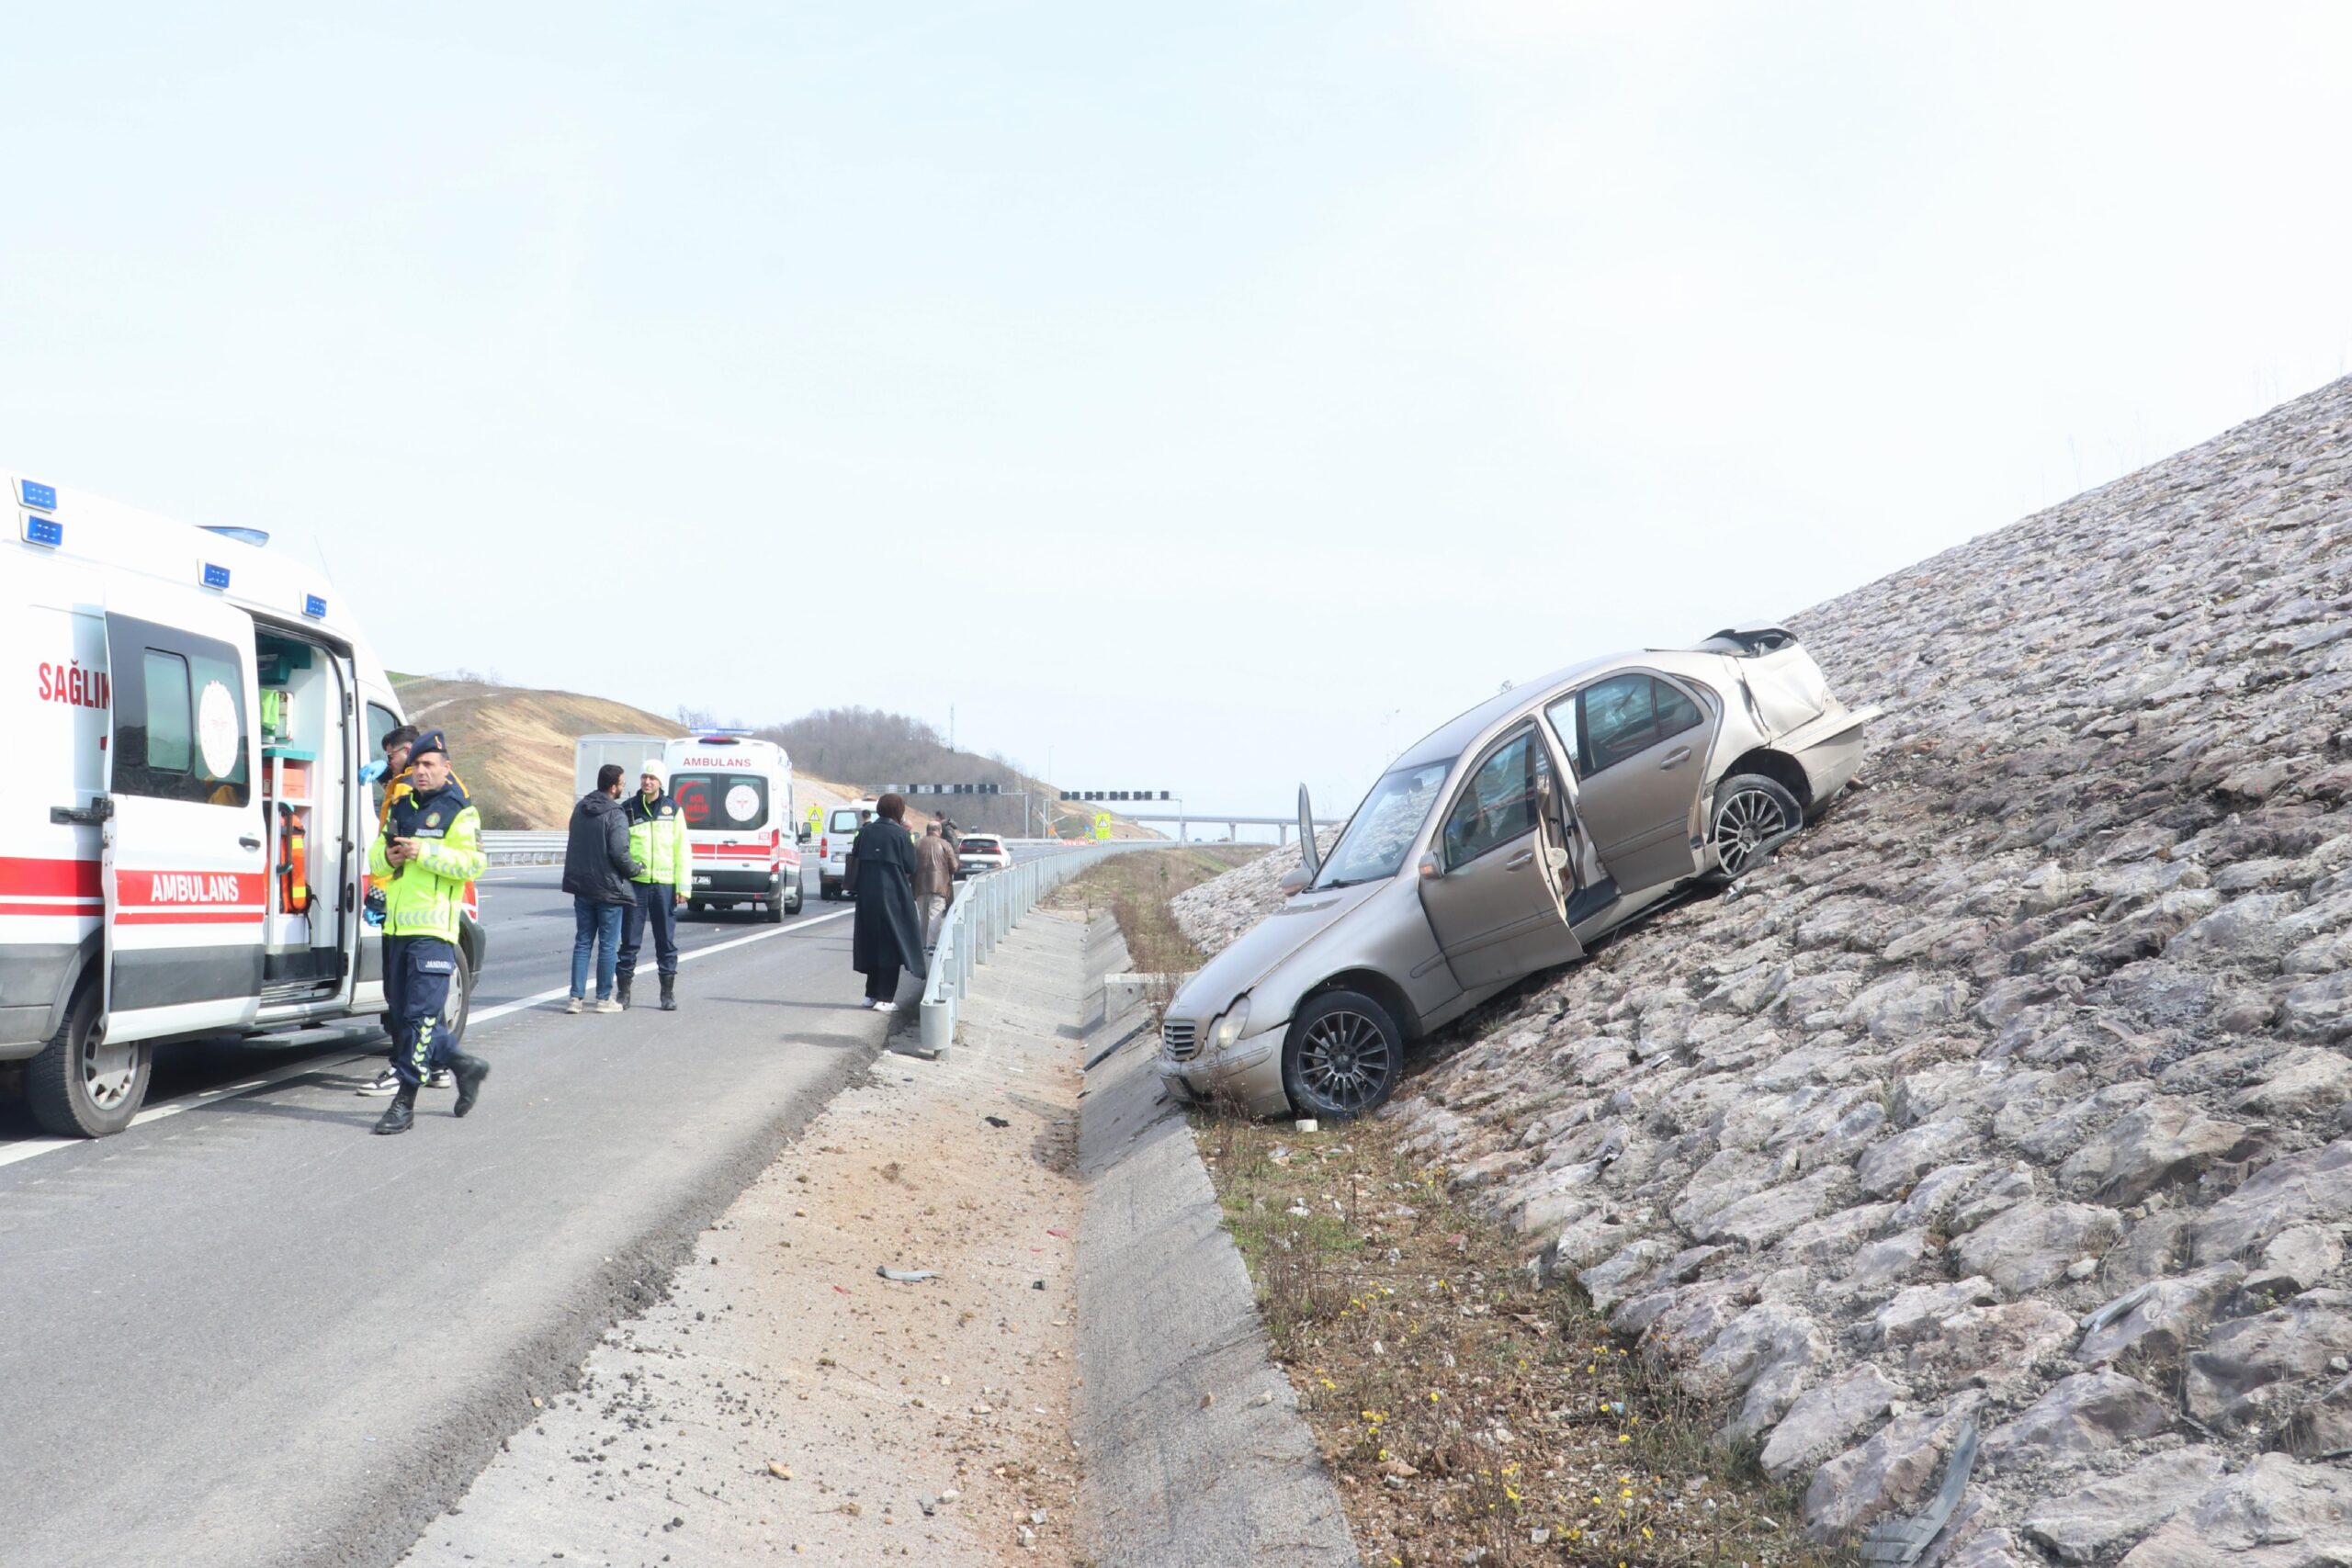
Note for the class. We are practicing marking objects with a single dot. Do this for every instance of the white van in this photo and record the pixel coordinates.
(840, 832)
(183, 829)
(741, 826)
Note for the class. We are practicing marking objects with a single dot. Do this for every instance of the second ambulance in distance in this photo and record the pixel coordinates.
(742, 828)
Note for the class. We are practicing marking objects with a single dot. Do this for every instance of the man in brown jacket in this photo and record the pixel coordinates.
(934, 881)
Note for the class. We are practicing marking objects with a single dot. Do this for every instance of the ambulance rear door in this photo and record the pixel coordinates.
(185, 859)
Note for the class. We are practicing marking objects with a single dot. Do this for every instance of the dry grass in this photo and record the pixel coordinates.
(1136, 889)
(1464, 1408)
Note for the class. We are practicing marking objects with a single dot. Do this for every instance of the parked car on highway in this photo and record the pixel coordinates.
(841, 824)
(981, 853)
(185, 821)
(1503, 843)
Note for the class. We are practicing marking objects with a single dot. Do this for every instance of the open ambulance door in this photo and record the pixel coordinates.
(185, 863)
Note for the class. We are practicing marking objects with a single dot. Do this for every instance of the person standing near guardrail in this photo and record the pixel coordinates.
(880, 874)
(597, 873)
(935, 881)
(430, 848)
(656, 842)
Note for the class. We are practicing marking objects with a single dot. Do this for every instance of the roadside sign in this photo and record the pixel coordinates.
(1101, 825)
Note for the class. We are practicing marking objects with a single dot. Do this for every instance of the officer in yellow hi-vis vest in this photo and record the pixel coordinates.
(428, 850)
(657, 840)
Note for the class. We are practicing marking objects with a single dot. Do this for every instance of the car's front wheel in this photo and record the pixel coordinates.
(1753, 814)
(1342, 1056)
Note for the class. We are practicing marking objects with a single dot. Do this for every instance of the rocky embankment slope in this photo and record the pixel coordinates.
(2016, 1092)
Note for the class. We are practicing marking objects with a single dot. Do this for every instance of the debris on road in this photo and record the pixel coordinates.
(909, 1276)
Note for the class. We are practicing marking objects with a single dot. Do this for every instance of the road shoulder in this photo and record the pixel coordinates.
(782, 1397)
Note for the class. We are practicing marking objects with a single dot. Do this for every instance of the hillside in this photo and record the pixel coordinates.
(514, 747)
(2017, 1092)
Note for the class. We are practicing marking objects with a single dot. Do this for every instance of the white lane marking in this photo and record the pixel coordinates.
(33, 1147)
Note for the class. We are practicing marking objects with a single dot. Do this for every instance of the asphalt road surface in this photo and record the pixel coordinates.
(245, 1332)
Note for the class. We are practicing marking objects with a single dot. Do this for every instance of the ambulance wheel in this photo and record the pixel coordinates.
(81, 1087)
(460, 1005)
(772, 908)
(799, 897)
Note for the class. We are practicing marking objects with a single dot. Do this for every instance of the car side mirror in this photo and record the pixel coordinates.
(1429, 866)
(1295, 878)
(806, 834)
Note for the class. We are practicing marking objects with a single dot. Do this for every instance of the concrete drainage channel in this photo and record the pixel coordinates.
(1195, 1454)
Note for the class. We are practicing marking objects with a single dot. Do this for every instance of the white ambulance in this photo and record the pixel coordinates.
(742, 827)
(184, 825)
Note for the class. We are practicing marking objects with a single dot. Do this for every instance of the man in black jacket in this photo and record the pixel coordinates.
(597, 871)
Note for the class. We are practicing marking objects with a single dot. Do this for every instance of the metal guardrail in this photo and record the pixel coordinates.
(506, 846)
(984, 910)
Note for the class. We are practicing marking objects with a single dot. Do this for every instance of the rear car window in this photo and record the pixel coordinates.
(721, 802)
(846, 821)
(972, 846)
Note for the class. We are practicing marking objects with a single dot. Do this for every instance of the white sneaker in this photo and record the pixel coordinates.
(886, 1007)
(575, 1005)
(607, 1005)
(440, 1078)
(868, 1002)
(382, 1083)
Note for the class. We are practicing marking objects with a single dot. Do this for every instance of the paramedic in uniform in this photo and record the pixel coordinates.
(430, 848)
(657, 840)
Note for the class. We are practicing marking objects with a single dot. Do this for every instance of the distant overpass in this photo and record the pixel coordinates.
(1233, 825)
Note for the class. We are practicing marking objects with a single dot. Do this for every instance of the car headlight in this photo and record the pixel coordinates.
(1228, 1027)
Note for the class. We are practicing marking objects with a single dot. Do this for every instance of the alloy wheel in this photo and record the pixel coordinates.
(1346, 1059)
(1749, 823)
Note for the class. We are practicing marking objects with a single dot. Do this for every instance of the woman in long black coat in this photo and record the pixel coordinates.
(888, 937)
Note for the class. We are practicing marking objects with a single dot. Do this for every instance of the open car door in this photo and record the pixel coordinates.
(183, 864)
(1495, 883)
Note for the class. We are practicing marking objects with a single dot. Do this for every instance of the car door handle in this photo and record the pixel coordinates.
(249, 841)
(1519, 862)
(1674, 759)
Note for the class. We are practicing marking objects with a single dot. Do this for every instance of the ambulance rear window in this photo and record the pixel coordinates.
(721, 802)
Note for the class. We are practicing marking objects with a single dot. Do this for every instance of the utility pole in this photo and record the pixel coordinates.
(951, 726)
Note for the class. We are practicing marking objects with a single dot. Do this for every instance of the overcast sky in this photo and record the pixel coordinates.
(1208, 396)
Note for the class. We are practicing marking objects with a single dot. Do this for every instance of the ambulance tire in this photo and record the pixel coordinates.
(773, 908)
(460, 1005)
(799, 897)
(58, 1081)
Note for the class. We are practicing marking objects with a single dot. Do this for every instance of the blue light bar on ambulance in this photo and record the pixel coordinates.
(314, 606)
(43, 531)
(215, 575)
(40, 497)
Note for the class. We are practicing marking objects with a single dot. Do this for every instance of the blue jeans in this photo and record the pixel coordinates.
(596, 926)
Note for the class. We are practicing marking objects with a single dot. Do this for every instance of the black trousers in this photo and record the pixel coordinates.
(883, 983)
(416, 992)
(657, 906)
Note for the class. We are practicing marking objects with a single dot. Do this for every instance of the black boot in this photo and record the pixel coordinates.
(620, 988)
(468, 1071)
(400, 1114)
(669, 993)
